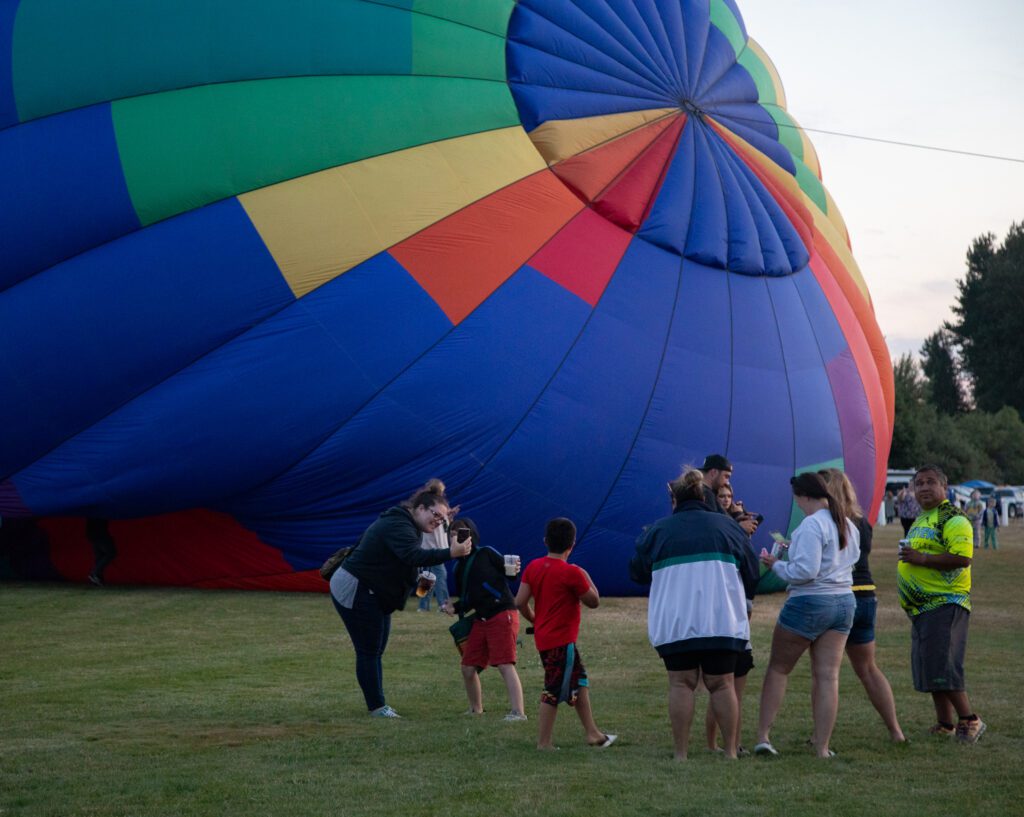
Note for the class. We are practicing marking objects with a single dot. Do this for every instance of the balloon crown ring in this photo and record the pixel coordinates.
(691, 107)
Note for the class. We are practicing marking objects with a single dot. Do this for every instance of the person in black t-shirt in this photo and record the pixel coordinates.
(482, 588)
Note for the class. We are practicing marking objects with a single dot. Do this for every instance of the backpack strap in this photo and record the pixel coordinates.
(465, 581)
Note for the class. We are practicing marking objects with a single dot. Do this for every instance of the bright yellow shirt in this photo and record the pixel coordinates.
(925, 588)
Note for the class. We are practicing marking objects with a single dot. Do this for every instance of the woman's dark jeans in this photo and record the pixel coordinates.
(368, 628)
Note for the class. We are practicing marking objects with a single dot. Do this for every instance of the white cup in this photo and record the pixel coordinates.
(511, 565)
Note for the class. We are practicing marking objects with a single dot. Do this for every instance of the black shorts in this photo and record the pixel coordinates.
(710, 662)
(938, 642)
(744, 663)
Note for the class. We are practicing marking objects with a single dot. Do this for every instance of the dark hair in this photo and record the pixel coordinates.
(688, 485)
(812, 486)
(559, 535)
(427, 498)
(465, 523)
(716, 462)
(934, 469)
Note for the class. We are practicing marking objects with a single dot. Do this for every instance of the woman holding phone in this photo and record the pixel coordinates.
(818, 612)
(482, 588)
(377, 578)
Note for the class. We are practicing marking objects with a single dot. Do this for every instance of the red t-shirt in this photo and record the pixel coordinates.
(556, 586)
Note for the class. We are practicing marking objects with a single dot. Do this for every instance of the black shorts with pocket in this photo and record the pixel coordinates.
(938, 643)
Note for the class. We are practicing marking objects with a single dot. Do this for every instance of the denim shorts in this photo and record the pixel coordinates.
(863, 629)
(812, 616)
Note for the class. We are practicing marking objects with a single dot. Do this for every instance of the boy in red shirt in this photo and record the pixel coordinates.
(557, 589)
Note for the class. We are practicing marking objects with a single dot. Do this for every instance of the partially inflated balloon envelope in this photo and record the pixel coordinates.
(269, 265)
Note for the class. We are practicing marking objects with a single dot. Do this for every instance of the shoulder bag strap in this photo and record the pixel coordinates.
(465, 582)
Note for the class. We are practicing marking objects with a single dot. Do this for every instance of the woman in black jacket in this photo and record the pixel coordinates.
(483, 591)
(377, 578)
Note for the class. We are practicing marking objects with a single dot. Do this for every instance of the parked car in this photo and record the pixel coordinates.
(962, 494)
(1014, 498)
(897, 478)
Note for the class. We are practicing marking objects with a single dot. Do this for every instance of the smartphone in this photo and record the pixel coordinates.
(462, 534)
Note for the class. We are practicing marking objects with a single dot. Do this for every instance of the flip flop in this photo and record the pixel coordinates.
(608, 741)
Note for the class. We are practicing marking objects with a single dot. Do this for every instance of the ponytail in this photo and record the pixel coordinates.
(812, 486)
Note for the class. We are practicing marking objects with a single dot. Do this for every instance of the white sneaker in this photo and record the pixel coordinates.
(384, 712)
(515, 716)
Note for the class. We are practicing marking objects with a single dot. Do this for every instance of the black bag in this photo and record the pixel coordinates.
(334, 562)
(460, 632)
(460, 629)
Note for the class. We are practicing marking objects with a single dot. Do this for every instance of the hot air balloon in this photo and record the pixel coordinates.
(268, 266)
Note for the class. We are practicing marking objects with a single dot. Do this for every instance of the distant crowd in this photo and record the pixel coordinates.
(702, 573)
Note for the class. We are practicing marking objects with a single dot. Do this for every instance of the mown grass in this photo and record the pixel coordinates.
(128, 701)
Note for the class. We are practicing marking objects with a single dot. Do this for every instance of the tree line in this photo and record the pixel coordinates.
(962, 405)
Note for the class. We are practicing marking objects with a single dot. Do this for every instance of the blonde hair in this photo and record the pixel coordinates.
(432, 492)
(841, 488)
(434, 486)
(688, 485)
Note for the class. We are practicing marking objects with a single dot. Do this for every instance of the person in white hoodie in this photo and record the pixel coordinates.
(818, 612)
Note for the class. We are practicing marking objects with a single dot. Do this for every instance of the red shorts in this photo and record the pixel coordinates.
(492, 642)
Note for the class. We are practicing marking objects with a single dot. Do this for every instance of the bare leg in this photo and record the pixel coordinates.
(594, 735)
(826, 656)
(681, 685)
(711, 729)
(513, 685)
(951, 704)
(711, 725)
(787, 647)
(471, 678)
(738, 685)
(546, 721)
(723, 703)
(862, 657)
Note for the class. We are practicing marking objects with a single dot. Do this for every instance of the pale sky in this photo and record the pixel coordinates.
(934, 72)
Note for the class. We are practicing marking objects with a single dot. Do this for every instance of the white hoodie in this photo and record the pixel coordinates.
(816, 565)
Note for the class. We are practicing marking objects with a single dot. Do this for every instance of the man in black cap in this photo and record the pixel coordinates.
(717, 472)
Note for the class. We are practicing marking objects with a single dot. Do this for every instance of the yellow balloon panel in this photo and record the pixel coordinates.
(320, 225)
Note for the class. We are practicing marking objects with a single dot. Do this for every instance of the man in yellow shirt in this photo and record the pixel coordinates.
(934, 584)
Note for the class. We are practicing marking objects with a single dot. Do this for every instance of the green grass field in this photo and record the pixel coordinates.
(126, 701)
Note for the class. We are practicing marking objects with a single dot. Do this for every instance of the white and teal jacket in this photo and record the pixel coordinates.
(703, 573)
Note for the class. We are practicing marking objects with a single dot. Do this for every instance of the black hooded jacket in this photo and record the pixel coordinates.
(388, 553)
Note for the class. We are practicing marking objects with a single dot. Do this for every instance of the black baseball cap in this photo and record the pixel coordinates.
(716, 462)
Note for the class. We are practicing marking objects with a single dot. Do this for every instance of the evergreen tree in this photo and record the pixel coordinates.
(989, 321)
(907, 444)
(940, 371)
